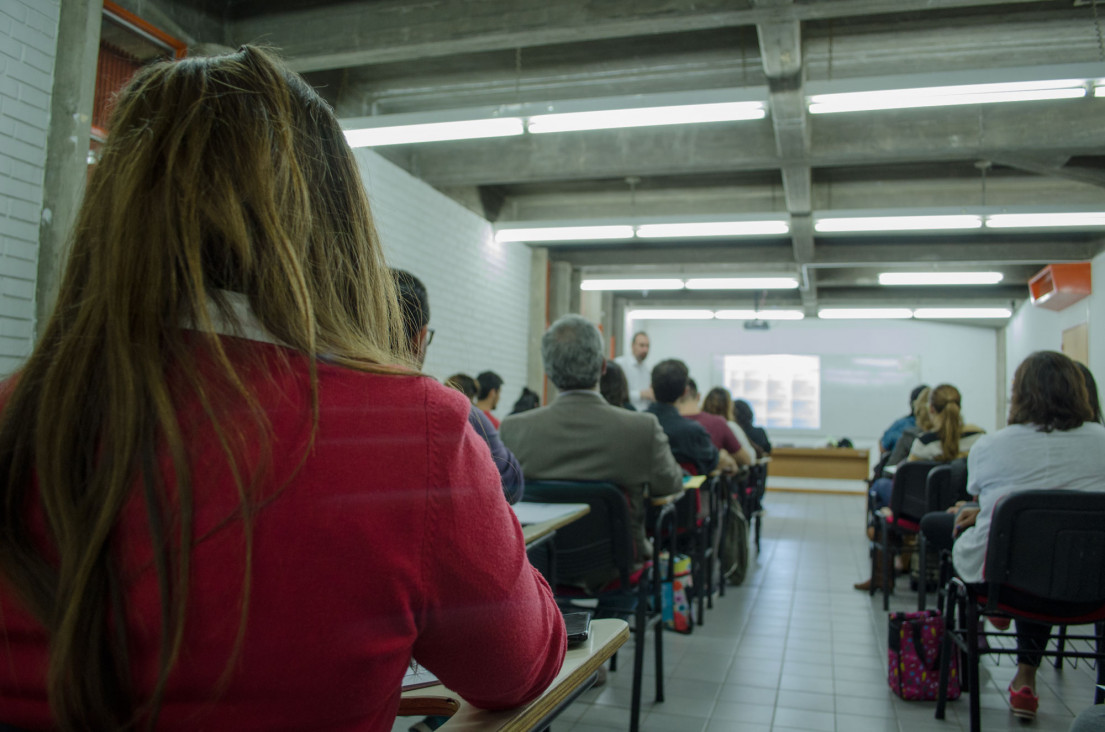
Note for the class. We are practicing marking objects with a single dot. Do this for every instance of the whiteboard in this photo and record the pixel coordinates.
(860, 395)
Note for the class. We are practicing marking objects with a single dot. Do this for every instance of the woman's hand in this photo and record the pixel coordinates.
(964, 519)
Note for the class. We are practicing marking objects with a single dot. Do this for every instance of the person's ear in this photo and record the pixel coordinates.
(603, 367)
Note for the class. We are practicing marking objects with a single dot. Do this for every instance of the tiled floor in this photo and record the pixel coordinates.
(795, 648)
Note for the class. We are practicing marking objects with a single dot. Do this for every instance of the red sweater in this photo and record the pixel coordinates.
(393, 539)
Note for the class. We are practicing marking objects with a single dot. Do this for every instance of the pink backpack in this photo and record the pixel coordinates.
(914, 651)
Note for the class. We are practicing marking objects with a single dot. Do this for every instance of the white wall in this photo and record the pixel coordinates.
(28, 45)
(1034, 328)
(961, 355)
(479, 290)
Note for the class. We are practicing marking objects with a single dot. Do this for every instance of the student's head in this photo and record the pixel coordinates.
(465, 384)
(220, 175)
(491, 385)
(613, 385)
(414, 304)
(639, 345)
(527, 400)
(718, 401)
(690, 395)
(945, 404)
(669, 380)
(743, 415)
(572, 351)
(916, 393)
(1049, 391)
(921, 412)
(1091, 390)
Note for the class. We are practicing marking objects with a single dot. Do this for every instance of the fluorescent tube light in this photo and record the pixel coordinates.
(860, 313)
(671, 314)
(646, 117)
(947, 96)
(742, 283)
(950, 313)
(565, 233)
(759, 315)
(1099, 90)
(897, 223)
(940, 278)
(1044, 220)
(434, 132)
(718, 228)
(642, 284)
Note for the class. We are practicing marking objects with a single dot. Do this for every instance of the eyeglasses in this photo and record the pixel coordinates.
(429, 337)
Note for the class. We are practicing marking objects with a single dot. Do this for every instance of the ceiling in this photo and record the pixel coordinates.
(431, 59)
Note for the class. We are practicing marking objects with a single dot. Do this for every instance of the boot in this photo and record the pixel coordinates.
(866, 585)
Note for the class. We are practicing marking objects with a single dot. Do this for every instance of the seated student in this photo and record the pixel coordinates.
(950, 438)
(230, 503)
(718, 429)
(527, 400)
(742, 412)
(581, 437)
(1051, 442)
(720, 402)
(923, 423)
(614, 387)
(465, 384)
(690, 442)
(414, 302)
(895, 430)
(491, 387)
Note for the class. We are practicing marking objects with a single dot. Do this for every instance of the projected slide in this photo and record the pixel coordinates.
(784, 390)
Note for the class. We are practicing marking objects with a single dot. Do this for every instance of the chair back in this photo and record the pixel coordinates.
(1050, 544)
(946, 484)
(599, 541)
(907, 499)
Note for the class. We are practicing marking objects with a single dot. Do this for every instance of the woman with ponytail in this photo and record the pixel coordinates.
(950, 438)
(228, 499)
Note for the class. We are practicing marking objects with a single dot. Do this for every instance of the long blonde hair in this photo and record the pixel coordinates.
(946, 403)
(220, 174)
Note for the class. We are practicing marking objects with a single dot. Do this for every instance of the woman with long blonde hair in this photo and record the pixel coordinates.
(229, 499)
(950, 437)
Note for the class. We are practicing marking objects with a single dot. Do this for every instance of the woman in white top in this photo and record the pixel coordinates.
(950, 438)
(1051, 442)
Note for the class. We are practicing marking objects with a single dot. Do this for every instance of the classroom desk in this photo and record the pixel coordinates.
(820, 462)
(542, 519)
(576, 676)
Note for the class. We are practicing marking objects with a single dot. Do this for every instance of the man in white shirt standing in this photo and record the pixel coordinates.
(637, 371)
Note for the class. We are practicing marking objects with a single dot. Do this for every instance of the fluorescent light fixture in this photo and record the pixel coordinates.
(671, 314)
(742, 283)
(862, 313)
(565, 233)
(951, 313)
(646, 117)
(434, 132)
(640, 284)
(947, 96)
(1044, 220)
(759, 315)
(940, 278)
(717, 228)
(897, 223)
(1099, 90)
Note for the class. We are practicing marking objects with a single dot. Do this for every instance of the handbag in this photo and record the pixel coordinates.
(914, 656)
(675, 592)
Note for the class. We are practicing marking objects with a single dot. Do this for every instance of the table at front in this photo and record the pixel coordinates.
(576, 676)
(820, 462)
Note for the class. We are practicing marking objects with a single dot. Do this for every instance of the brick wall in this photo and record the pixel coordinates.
(479, 290)
(28, 43)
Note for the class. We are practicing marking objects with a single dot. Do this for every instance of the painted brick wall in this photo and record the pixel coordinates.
(479, 290)
(28, 44)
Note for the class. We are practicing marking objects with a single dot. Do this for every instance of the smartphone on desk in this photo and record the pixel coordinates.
(578, 626)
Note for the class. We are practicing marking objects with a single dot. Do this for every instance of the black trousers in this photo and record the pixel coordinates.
(1031, 636)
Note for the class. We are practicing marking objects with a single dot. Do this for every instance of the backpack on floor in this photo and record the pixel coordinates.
(914, 656)
(733, 554)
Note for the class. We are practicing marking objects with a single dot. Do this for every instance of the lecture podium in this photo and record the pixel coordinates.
(839, 463)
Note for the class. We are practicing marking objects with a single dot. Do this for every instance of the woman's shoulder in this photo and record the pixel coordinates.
(378, 392)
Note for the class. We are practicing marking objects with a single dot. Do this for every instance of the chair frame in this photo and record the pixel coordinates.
(1031, 534)
(907, 506)
(642, 602)
(946, 484)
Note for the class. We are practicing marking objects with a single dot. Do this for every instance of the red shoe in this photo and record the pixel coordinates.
(999, 623)
(1023, 702)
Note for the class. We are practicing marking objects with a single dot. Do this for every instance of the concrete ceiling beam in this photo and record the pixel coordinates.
(365, 32)
(1051, 167)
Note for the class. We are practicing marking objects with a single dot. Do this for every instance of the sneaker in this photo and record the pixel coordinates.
(1023, 702)
(999, 623)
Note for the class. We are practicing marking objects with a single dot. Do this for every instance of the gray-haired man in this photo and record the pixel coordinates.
(581, 437)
